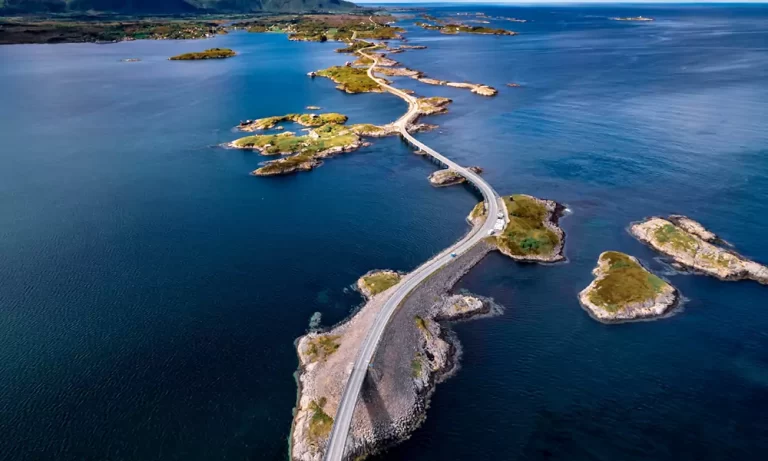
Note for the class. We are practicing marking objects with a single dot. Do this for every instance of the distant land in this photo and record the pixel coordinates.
(172, 6)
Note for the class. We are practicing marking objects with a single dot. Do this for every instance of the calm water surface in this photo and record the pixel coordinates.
(151, 289)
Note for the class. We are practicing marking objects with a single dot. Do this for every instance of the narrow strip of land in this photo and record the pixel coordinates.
(343, 419)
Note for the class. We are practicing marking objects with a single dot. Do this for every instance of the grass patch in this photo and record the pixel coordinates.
(355, 46)
(478, 211)
(321, 347)
(678, 239)
(320, 424)
(625, 282)
(526, 234)
(421, 324)
(213, 53)
(380, 281)
(350, 79)
(416, 366)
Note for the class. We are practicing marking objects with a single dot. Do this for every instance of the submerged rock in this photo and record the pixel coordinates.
(624, 290)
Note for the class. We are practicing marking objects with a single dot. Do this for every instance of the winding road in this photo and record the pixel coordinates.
(341, 424)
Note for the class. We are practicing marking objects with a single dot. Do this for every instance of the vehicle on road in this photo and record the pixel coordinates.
(453, 255)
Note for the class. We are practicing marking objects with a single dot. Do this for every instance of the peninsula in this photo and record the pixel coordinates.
(623, 290)
(693, 247)
(213, 53)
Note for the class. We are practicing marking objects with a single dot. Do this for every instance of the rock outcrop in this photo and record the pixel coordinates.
(446, 177)
(685, 243)
(624, 290)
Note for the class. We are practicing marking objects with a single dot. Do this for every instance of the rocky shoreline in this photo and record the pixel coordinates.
(418, 354)
(624, 290)
(690, 245)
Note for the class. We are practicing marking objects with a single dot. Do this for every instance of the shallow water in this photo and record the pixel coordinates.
(151, 289)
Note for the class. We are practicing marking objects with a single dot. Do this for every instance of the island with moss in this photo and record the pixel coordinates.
(693, 247)
(327, 136)
(448, 177)
(623, 290)
(351, 79)
(377, 281)
(213, 53)
(532, 233)
(457, 28)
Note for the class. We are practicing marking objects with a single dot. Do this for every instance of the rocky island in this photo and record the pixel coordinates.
(633, 18)
(624, 290)
(454, 28)
(327, 137)
(448, 177)
(693, 247)
(532, 233)
(213, 53)
(377, 281)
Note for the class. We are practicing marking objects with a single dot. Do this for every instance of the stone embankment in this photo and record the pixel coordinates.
(416, 355)
(688, 243)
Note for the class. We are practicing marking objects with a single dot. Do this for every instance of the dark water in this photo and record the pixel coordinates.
(150, 289)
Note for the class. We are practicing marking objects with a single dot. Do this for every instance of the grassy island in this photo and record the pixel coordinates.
(327, 27)
(329, 136)
(376, 282)
(213, 53)
(453, 29)
(351, 79)
(531, 233)
(624, 290)
(624, 282)
(302, 119)
(693, 247)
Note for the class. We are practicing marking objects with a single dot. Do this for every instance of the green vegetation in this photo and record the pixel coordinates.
(302, 119)
(526, 234)
(461, 28)
(327, 136)
(323, 27)
(416, 366)
(421, 324)
(213, 53)
(322, 346)
(16, 31)
(478, 211)
(351, 79)
(380, 281)
(677, 238)
(320, 424)
(355, 46)
(625, 282)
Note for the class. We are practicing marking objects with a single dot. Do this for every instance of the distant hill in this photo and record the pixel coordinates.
(172, 6)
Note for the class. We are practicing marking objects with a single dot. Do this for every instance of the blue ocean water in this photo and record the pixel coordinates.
(151, 290)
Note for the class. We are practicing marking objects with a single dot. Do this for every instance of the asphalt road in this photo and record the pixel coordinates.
(341, 424)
